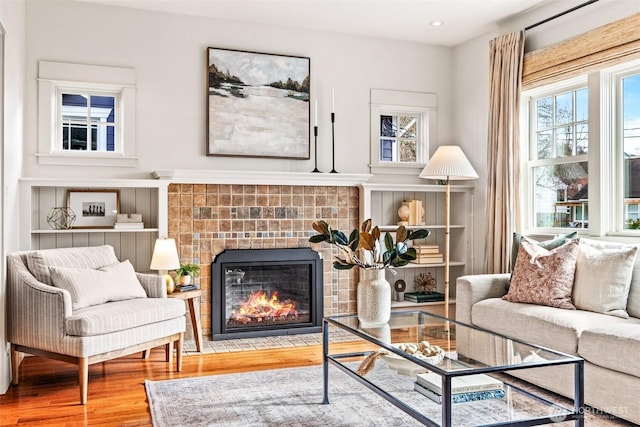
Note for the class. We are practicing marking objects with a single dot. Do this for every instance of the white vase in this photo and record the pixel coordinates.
(373, 298)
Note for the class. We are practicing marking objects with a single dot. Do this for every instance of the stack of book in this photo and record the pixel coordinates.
(185, 288)
(428, 254)
(467, 388)
(128, 222)
(423, 296)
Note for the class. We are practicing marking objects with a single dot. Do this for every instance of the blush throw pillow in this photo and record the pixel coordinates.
(544, 277)
(547, 244)
(603, 279)
(115, 282)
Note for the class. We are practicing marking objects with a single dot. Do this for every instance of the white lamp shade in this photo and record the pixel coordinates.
(165, 255)
(448, 162)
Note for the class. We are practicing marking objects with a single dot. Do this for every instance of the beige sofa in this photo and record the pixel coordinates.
(84, 306)
(609, 345)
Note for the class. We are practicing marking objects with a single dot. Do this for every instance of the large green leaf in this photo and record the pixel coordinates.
(354, 240)
(338, 266)
(419, 234)
(388, 242)
(339, 237)
(319, 238)
(399, 262)
(411, 252)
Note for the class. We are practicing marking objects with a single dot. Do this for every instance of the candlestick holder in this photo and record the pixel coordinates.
(333, 143)
(315, 140)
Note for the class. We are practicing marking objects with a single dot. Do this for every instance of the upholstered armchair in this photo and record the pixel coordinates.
(84, 306)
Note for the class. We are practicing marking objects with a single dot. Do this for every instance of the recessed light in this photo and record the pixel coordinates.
(436, 23)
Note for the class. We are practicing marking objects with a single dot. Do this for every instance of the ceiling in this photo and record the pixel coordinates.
(407, 20)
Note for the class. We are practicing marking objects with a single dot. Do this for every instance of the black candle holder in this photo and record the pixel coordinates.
(315, 139)
(333, 143)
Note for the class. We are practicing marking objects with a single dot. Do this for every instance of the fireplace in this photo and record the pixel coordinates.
(265, 292)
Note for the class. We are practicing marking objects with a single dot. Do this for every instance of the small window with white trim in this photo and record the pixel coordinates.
(399, 136)
(401, 130)
(86, 115)
(88, 121)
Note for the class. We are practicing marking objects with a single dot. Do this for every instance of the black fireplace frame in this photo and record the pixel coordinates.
(234, 258)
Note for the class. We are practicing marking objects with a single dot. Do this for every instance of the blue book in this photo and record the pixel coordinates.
(460, 397)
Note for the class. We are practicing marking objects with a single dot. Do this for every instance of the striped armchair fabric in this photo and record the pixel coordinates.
(41, 320)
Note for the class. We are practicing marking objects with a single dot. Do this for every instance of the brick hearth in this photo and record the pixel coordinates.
(206, 219)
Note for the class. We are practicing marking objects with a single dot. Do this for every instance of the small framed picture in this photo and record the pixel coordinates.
(94, 208)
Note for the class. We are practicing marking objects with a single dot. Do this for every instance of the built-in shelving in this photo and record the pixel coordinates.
(381, 202)
(148, 197)
(94, 230)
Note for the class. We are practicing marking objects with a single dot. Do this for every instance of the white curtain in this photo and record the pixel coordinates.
(503, 210)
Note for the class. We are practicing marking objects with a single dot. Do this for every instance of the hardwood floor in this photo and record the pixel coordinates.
(48, 392)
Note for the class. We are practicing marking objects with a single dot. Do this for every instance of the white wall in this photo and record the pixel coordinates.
(471, 89)
(168, 52)
(13, 22)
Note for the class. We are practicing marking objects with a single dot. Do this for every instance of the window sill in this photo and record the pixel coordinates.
(397, 169)
(85, 159)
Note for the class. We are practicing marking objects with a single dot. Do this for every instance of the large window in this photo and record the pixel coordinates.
(630, 94)
(560, 158)
(558, 164)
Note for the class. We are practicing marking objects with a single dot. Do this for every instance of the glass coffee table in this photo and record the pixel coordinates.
(395, 372)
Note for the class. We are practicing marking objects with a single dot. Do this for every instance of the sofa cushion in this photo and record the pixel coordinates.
(544, 277)
(94, 257)
(614, 347)
(549, 327)
(547, 244)
(633, 301)
(122, 315)
(88, 287)
(603, 278)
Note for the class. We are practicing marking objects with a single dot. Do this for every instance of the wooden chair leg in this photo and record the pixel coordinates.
(179, 345)
(83, 378)
(15, 365)
(168, 348)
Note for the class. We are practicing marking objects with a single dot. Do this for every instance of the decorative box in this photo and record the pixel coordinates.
(132, 217)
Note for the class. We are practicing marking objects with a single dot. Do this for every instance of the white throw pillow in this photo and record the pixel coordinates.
(603, 278)
(115, 282)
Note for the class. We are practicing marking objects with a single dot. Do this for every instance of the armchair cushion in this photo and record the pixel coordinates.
(123, 315)
(39, 262)
(116, 282)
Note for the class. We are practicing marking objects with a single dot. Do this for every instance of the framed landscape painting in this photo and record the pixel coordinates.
(257, 104)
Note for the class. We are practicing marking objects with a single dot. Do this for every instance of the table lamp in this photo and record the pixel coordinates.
(448, 163)
(164, 258)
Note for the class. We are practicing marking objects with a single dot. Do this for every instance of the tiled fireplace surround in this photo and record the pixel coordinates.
(206, 219)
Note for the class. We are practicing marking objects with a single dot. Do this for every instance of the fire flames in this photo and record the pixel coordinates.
(260, 307)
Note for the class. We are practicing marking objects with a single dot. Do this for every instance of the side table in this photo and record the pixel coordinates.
(192, 298)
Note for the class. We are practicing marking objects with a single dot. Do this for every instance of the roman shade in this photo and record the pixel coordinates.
(602, 47)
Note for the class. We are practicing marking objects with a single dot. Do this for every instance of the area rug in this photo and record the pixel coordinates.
(293, 397)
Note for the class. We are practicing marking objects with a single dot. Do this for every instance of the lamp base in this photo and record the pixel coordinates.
(170, 283)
